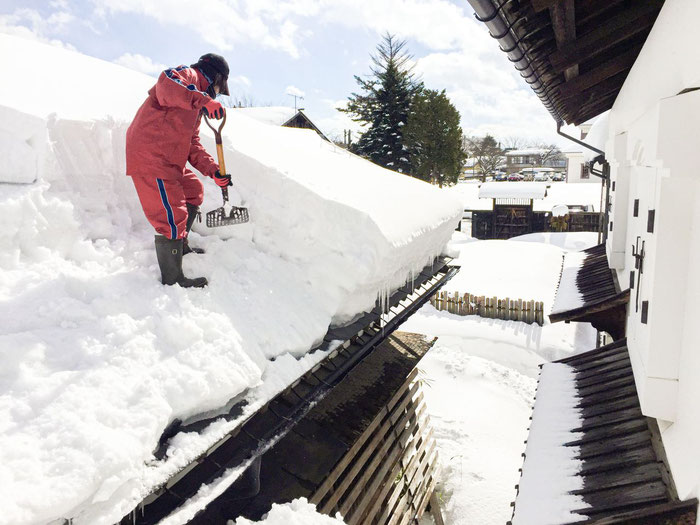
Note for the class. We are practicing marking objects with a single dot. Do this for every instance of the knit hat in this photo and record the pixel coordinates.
(211, 64)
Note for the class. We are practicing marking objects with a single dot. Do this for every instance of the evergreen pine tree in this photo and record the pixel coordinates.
(434, 138)
(384, 106)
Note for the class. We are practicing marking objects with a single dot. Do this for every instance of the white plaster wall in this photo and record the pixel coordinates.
(668, 63)
(654, 148)
(574, 161)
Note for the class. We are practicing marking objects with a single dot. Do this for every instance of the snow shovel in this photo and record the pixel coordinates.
(219, 216)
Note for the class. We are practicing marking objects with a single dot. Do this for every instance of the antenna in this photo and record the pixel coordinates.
(295, 100)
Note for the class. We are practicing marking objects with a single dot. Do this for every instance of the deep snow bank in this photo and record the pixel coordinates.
(97, 356)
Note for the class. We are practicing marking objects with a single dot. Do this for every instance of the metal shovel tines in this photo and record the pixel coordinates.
(219, 217)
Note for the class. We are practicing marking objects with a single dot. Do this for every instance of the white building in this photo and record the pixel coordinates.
(650, 142)
(654, 238)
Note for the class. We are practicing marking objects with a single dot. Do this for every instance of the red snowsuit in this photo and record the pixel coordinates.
(163, 136)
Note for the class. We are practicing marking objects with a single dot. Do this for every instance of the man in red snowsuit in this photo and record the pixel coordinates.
(162, 138)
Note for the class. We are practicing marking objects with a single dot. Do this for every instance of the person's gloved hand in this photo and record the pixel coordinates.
(222, 180)
(213, 109)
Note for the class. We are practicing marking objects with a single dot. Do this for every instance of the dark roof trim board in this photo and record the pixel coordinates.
(251, 438)
(623, 467)
(574, 55)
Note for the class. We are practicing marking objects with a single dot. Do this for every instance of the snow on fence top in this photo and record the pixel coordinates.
(513, 190)
(98, 357)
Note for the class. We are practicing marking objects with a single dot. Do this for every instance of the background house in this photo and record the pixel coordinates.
(517, 160)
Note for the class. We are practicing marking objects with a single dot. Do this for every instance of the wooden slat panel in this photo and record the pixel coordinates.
(385, 458)
(361, 463)
(409, 474)
(374, 494)
(342, 465)
(384, 498)
(400, 509)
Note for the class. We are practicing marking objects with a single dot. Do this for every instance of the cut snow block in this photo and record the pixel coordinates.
(23, 144)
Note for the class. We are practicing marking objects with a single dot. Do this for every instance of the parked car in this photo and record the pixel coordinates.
(558, 177)
(515, 177)
(540, 177)
(500, 177)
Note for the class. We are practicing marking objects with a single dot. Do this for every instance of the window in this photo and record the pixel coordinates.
(585, 174)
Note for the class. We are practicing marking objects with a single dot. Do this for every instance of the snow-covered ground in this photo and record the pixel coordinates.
(97, 356)
(480, 380)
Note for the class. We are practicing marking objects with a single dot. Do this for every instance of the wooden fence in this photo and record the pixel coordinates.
(490, 307)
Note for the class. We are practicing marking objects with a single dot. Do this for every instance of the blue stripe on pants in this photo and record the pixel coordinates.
(168, 209)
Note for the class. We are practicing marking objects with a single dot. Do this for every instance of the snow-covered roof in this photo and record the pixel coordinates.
(569, 194)
(572, 194)
(275, 115)
(513, 190)
(581, 444)
(98, 356)
(586, 281)
(527, 151)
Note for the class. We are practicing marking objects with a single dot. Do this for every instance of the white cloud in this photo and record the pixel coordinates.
(28, 23)
(294, 91)
(240, 80)
(140, 63)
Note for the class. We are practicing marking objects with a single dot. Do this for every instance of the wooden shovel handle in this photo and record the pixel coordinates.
(219, 144)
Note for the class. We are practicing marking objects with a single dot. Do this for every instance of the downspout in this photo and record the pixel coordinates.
(580, 142)
(605, 175)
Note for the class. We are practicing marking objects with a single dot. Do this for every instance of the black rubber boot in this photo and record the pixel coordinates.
(192, 212)
(169, 253)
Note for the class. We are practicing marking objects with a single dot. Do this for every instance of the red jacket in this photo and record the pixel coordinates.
(165, 132)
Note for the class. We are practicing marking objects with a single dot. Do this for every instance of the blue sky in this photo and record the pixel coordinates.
(309, 46)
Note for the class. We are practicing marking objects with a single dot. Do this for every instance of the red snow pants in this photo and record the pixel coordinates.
(164, 201)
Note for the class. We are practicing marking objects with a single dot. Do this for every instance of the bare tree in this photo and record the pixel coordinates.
(487, 152)
(548, 153)
(514, 142)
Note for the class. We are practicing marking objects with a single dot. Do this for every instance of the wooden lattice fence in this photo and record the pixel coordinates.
(389, 475)
(490, 307)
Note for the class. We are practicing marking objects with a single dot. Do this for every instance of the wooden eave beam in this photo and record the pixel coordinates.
(593, 110)
(617, 29)
(620, 63)
(563, 15)
(541, 5)
(589, 10)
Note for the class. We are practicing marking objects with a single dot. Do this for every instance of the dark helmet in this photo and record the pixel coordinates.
(211, 64)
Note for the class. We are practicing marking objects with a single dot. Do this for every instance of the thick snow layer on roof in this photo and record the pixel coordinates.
(526, 151)
(597, 136)
(98, 357)
(517, 270)
(550, 470)
(513, 190)
(468, 194)
(573, 194)
(275, 115)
